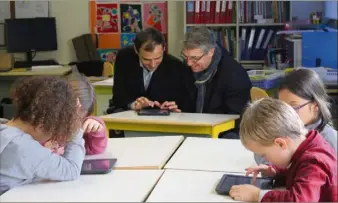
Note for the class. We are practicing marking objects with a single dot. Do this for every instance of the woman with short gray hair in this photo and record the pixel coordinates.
(221, 84)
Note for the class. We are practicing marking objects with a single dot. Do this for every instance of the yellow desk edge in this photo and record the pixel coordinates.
(26, 72)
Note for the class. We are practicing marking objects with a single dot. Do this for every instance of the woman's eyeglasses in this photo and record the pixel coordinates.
(296, 108)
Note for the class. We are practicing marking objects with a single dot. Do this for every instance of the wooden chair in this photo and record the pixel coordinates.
(257, 93)
(108, 69)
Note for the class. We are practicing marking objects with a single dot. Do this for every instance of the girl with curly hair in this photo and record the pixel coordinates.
(95, 130)
(47, 108)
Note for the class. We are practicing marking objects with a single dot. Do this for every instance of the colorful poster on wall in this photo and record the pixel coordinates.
(155, 15)
(131, 18)
(107, 18)
(127, 39)
(108, 55)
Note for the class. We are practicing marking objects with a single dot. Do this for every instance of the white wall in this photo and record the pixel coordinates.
(303, 9)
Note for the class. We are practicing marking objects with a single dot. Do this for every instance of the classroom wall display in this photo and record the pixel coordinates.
(117, 22)
(107, 18)
(155, 15)
(107, 55)
(131, 18)
(127, 39)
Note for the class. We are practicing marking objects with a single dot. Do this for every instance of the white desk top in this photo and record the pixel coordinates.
(195, 119)
(106, 83)
(117, 186)
(209, 154)
(188, 186)
(141, 152)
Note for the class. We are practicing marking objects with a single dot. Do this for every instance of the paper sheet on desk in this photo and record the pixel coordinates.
(46, 67)
(109, 81)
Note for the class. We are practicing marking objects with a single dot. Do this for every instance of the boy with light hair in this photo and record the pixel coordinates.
(301, 160)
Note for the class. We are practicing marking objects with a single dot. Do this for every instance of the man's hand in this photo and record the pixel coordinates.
(171, 105)
(141, 103)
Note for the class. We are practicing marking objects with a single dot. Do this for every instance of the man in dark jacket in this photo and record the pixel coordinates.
(222, 85)
(145, 76)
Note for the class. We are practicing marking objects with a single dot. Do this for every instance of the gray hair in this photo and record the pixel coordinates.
(200, 37)
(267, 119)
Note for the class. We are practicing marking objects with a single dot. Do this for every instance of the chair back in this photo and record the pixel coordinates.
(257, 93)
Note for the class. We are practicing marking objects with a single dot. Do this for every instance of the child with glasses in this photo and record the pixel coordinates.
(305, 92)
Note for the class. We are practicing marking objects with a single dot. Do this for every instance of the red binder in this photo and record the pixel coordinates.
(197, 12)
(218, 12)
(208, 12)
(229, 11)
(202, 12)
(190, 12)
(212, 12)
(223, 11)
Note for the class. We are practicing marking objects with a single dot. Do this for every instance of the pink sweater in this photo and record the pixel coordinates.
(95, 143)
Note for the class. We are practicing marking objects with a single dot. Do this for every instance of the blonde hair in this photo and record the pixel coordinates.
(267, 119)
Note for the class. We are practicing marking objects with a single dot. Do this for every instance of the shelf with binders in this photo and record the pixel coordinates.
(254, 42)
(213, 25)
(261, 24)
(225, 37)
(208, 13)
(258, 15)
(264, 12)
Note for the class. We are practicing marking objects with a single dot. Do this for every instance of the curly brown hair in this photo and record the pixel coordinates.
(49, 103)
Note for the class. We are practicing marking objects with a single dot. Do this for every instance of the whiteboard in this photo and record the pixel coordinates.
(31, 9)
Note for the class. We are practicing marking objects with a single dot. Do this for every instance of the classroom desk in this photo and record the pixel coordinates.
(117, 186)
(18, 72)
(104, 92)
(188, 186)
(208, 154)
(141, 152)
(7, 78)
(188, 123)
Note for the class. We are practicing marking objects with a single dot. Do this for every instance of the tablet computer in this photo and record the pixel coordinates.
(153, 112)
(227, 181)
(98, 166)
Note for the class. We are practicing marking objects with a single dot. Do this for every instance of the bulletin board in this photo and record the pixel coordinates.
(116, 24)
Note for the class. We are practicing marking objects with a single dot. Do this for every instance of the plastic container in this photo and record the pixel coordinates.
(331, 76)
(328, 76)
(266, 79)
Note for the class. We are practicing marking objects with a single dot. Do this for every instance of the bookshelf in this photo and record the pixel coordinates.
(273, 16)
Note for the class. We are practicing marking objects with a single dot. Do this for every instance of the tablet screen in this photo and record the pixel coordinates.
(154, 112)
(98, 166)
